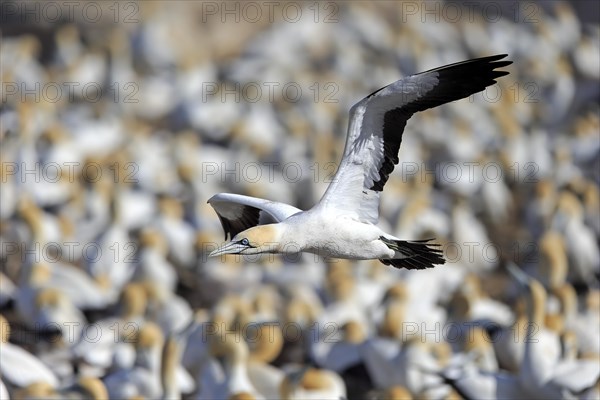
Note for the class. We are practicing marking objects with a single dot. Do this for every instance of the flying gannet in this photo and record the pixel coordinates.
(342, 224)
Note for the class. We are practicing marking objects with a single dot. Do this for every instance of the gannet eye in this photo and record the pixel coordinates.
(245, 242)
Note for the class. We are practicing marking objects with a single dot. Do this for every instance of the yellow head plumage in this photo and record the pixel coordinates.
(255, 240)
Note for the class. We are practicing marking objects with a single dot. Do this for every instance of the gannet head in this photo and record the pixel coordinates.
(255, 240)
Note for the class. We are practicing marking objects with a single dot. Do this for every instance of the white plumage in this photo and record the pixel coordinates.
(342, 224)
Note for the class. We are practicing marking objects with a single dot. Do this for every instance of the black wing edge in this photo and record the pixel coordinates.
(455, 81)
(478, 61)
(459, 80)
(250, 217)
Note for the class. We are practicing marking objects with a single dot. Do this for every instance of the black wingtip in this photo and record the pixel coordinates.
(491, 59)
(420, 254)
(494, 57)
(468, 65)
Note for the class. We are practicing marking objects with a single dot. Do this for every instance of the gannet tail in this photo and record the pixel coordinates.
(418, 254)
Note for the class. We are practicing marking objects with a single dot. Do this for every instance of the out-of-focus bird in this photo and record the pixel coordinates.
(167, 309)
(312, 384)
(344, 304)
(340, 353)
(341, 225)
(541, 372)
(586, 324)
(7, 290)
(115, 333)
(409, 366)
(83, 291)
(582, 245)
(84, 388)
(229, 378)
(476, 250)
(47, 308)
(481, 307)
(479, 345)
(587, 53)
(19, 367)
(143, 378)
(154, 266)
(174, 378)
(266, 343)
(553, 266)
(470, 382)
(179, 234)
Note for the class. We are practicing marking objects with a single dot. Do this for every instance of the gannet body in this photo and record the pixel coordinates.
(541, 373)
(342, 224)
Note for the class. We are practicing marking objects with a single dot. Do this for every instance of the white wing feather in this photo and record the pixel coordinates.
(377, 123)
(238, 212)
(349, 192)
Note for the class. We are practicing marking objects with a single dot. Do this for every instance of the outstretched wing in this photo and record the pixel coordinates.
(377, 123)
(238, 213)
